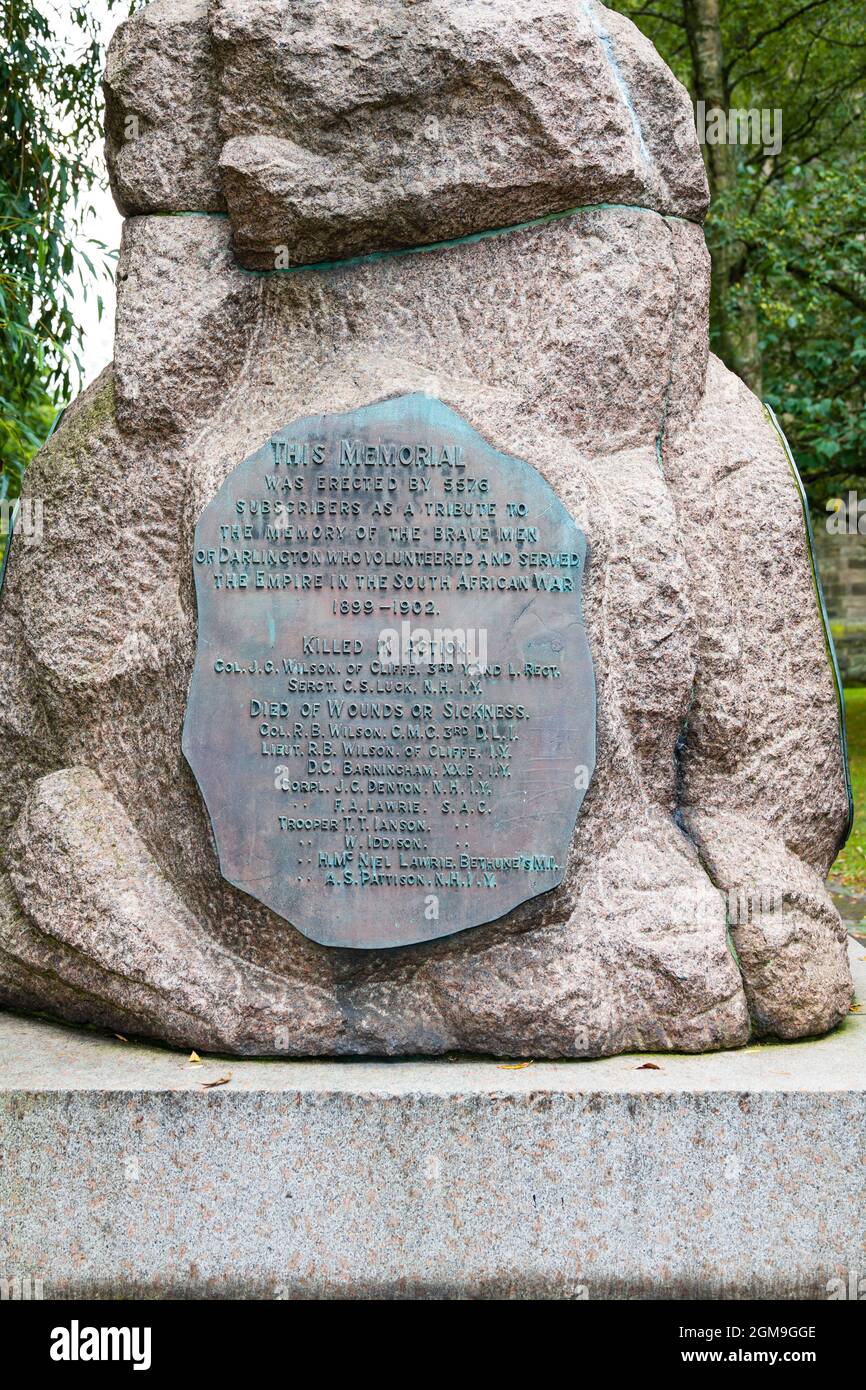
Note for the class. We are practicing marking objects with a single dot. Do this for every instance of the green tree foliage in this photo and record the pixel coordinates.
(787, 231)
(50, 114)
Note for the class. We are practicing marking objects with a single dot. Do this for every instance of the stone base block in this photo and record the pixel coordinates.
(127, 1170)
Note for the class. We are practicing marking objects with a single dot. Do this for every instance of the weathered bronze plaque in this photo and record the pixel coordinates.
(392, 712)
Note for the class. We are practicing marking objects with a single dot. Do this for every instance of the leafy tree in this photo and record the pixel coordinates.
(50, 114)
(786, 229)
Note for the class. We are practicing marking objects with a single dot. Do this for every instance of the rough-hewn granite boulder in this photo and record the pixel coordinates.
(495, 113)
(348, 127)
(693, 913)
(162, 137)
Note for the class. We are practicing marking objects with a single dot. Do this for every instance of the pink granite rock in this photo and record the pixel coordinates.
(161, 136)
(692, 914)
(343, 128)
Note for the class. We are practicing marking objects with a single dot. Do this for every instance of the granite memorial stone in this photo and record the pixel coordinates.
(469, 234)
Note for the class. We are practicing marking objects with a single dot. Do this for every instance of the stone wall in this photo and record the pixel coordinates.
(841, 561)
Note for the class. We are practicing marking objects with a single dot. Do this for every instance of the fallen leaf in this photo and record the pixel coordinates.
(194, 1059)
(121, 1037)
(856, 1009)
(221, 1081)
(514, 1066)
(648, 1066)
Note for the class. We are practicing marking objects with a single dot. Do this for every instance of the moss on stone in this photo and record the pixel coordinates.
(60, 456)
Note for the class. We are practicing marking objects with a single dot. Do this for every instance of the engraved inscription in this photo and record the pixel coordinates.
(392, 713)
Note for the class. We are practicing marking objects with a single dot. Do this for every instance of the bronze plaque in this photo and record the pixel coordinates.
(392, 713)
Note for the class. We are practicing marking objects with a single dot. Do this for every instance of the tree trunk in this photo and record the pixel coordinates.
(737, 323)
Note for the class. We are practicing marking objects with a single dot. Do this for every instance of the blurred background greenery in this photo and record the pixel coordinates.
(787, 231)
(51, 60)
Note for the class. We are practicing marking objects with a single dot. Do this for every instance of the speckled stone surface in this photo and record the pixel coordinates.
(737, 1174)
(161, 133)
(333, 129)
(496, 112)
(112, 908)
(577, 343)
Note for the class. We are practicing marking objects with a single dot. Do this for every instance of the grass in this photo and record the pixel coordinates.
(850, 867)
